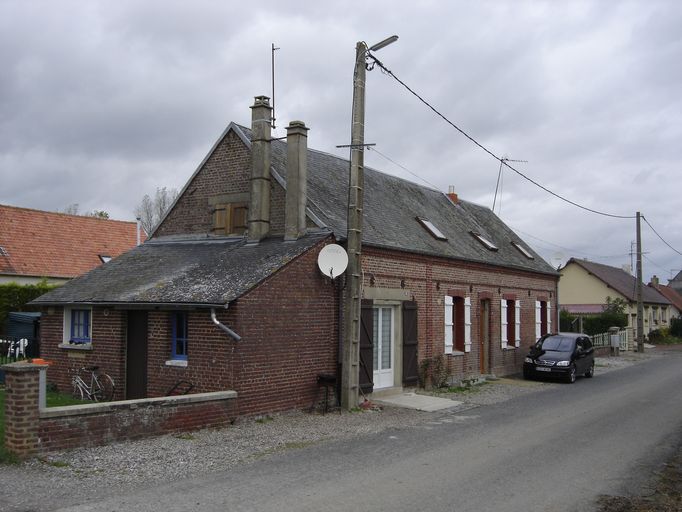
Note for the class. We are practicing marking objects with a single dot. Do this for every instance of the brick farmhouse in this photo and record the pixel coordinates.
(227, 294)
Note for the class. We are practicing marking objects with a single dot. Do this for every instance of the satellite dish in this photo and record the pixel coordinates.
(332, 260)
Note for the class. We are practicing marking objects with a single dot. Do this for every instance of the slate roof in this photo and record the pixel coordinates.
(620, 281)
(48, 244)
(182, 271)
(391, 206)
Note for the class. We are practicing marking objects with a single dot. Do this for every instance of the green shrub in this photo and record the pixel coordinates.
(676, 327)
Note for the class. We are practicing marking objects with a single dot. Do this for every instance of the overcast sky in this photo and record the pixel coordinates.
(102, 102)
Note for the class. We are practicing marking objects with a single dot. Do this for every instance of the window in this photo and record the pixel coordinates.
(80, 326)
(664, 315)
(523, 250)
(431, 228)
(457, 324)
(510, 329)
(230, 218)
(484, 241)
(543, 318)
(179, 336)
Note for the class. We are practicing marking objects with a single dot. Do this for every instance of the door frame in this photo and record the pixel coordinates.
(484, 324)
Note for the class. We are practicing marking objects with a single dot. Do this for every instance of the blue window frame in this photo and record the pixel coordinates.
(80, 326)
(179, 336)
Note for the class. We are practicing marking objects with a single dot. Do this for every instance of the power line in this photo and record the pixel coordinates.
(574, 251)
(372, 148)
(654, 263)
(481, 146)
(659, 236)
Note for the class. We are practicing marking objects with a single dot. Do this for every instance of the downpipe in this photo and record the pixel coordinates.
(224, 327)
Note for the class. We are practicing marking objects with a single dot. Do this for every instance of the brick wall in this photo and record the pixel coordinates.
(429, 279)
(226, 171)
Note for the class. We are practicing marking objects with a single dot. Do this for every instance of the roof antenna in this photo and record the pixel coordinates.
(274, 49)
(499, 176)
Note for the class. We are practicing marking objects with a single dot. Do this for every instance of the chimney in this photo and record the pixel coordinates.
(297, 180)
(137, 229)
(451, 194)
(654, 281)
(259, 202)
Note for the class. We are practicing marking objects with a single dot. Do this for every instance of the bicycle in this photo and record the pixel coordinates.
(100, 389)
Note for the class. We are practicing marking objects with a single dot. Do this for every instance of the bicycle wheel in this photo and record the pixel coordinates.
(106, 387)
(78, 390)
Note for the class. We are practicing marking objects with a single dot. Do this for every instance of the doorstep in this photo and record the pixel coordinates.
(414, 401)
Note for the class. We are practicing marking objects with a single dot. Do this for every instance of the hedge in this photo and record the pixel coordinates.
(13, 297)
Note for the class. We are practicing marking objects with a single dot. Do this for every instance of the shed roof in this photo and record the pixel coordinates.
(179, 271)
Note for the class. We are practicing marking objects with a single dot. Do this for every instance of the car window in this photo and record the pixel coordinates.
(558, 344)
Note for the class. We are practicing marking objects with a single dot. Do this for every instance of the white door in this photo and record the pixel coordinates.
(383, 347)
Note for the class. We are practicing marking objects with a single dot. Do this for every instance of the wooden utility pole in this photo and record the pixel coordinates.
(353, 290)
(640, 306)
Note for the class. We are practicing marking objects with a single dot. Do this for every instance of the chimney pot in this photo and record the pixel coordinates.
(451, 194)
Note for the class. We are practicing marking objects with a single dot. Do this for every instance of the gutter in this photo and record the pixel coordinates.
(224, 327)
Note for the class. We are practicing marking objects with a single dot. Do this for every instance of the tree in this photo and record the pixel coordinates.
(73, 209)
(613, 316)
(151, 211)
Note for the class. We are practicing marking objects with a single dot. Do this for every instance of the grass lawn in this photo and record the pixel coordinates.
(53, 399)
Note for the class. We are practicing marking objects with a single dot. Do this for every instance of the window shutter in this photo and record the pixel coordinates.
(448, 324)
(220, 219)
(549, 317)
(238, 218)
(410, 343)
(538, 319)
(517, 329)
(503, 318)
(366, 367)
(467, 324)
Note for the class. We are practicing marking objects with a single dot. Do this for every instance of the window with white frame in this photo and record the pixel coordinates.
(543, 318)
(77, 325)
(510, 328)
(457, 324)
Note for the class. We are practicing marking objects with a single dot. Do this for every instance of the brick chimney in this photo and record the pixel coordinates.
(259, 202)
(451, 194)
(654, 281)
(297, 180)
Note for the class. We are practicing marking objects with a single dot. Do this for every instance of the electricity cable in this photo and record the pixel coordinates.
(659, 236)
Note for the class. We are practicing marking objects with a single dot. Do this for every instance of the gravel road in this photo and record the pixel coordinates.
(163, 459)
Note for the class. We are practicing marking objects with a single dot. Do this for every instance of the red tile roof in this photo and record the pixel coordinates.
(47, 244)
(671, 294)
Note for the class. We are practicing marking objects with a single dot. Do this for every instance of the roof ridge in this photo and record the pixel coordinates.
(63, 214)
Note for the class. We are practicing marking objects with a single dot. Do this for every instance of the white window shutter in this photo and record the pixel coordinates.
(448, 324)
(467, 324)
(517, 327)
(549, 317)
(503, 318)
(538, 319)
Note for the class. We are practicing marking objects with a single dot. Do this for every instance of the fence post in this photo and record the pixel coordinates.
(22, 408)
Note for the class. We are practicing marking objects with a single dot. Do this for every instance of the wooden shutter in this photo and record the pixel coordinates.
(238, 218)
(366, 366)
(503, 322)
(220, 219)
(538, 319)
(467, 324)
(517, 327)
(448, 324)
(410, 344)
(549, 317)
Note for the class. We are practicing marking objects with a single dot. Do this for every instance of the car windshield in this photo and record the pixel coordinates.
(558, 344)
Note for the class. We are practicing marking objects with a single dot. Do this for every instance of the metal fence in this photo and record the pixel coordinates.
(626, 337)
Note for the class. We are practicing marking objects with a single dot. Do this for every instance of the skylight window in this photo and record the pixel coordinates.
(484, 241)
(431, 228)
(523, 250)
(105, 258)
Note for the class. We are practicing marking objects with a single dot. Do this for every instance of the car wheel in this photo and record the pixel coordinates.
(571, 374)
(590, 373)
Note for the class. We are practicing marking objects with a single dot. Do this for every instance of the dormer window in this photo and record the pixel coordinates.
(104, 258)
(431, 228)
(484, 241)
(523, 250)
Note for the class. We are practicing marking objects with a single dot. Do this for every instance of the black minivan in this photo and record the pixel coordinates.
(564, 355)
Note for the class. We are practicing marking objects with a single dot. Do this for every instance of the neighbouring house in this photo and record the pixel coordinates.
(676, 282)
(670, 293)
(227, 294)
(585, 286)
(37, 245)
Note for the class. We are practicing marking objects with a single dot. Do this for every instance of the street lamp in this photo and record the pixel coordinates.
(350, 383)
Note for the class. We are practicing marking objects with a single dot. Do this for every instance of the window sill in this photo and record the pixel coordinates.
(510, 348)
(455, 353)
(179, 363)
(76, 346)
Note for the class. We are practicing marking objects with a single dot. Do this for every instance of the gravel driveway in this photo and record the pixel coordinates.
(163, 459)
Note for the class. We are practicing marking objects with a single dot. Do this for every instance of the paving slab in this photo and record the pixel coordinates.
(418, 402)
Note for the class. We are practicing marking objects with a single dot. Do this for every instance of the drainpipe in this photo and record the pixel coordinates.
(224, 327)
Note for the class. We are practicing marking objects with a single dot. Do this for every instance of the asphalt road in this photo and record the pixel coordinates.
(556, 450)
